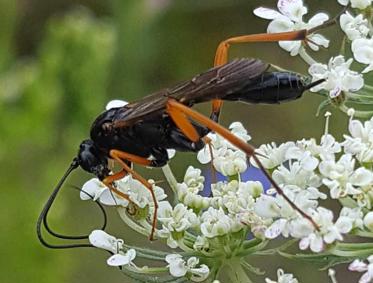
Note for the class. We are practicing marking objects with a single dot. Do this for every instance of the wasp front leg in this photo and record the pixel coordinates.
(121, 157)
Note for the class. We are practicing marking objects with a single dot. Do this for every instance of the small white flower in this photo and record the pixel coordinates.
(179, 267)
(271, 155)
(354, 215)
(342, 178)
(360, 4)
(193, 179)
(290, 18)
(338, 76)
(295, 174)
(215, 223)
(360, 266)
(354, 27)
(101, 239)
(326, 150)
(232, 163)
(115, 104)
(175, 222)
(328, 233)
(360, 143)
(362, 49)
(122, 259)
(283, 277)
(228, 160)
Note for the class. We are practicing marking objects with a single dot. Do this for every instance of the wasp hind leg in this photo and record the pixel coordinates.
(121, 157)
(221, 54)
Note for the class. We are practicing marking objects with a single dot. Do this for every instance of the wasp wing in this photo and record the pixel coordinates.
(215, 83)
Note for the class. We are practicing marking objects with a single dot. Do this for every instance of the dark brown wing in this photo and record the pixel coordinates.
(215, 83)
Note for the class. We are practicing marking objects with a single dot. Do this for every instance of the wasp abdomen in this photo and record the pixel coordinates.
(271, 88)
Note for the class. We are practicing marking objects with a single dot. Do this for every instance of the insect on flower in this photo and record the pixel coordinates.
(142, 131)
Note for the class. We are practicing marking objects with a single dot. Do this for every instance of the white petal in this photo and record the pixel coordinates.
(293, 9)
(320, 40)
(357, 265)
(204, 156)
(266, 13)
(171, 153)
(353, 82)
(120, 260)
(361, 177)
(90, 189)
(200, 274)
(275, 229)
(116, 103)
(291, 46)
(343, 2)
(363, 54)
(317, 20)
(103, 240)
(335, 92)
(280, 24)
(317, 244)
(366, 278)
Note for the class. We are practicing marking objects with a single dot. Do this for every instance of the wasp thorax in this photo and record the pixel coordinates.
(92, 160)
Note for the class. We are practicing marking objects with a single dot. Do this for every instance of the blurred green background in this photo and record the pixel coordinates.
(61, 61)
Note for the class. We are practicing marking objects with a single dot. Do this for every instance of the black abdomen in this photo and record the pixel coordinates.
(271, 88)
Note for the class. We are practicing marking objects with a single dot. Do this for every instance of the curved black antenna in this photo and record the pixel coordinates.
(47, 206)
(80, 237)
(312, 84)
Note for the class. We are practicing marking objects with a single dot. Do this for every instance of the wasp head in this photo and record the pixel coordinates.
(93, 160)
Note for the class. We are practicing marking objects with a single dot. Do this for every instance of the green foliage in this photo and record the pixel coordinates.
(42, 101)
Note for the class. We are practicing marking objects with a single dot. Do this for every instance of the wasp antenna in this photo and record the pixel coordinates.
(80, 237)
(43, 215)
(311, 85)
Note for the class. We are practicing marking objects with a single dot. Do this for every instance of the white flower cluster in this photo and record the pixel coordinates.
(307, 172)
(307, 168)
(223, 221)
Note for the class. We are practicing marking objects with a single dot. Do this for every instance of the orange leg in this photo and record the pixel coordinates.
(108, 181)
(207, 141)
(120, 156)
(221, 55)
(245, 147)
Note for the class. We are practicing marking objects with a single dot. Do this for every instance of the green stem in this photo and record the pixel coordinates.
(354, 246)
(132, 224)
(151, 270)
(237, 274)
(360, 114)
(356, 253)
(363, 234)
(247, 251)
(306, 57)
(167, 172)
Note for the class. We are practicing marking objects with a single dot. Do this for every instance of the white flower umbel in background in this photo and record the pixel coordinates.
(290, 18)
(338, 77)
